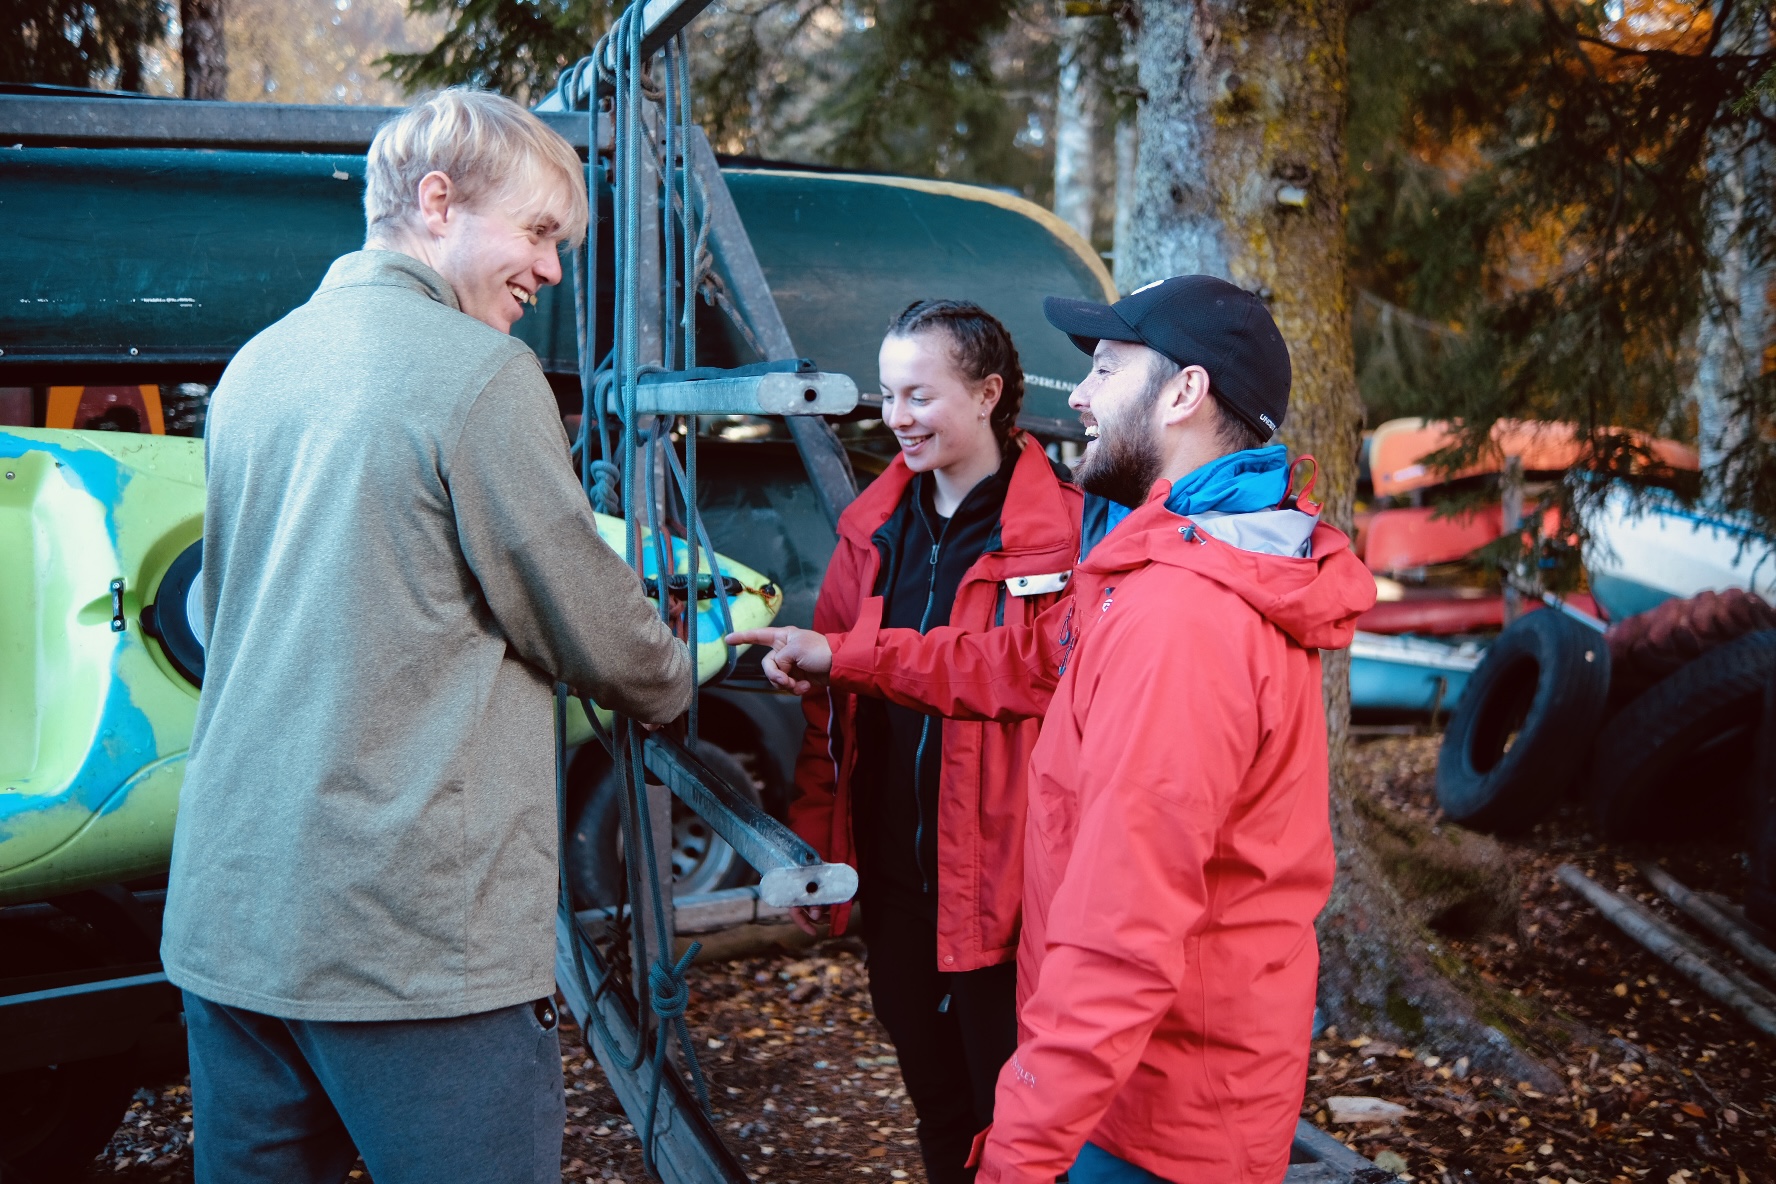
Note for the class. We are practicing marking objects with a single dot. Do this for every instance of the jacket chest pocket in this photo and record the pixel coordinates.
(1054, 812)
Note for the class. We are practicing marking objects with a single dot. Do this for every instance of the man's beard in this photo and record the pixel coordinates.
(1126, 462)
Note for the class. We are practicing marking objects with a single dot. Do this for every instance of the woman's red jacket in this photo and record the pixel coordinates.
(980, 811)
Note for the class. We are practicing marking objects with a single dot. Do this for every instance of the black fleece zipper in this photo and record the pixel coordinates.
(925, 725)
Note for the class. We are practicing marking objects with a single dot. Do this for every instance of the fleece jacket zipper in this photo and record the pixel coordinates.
(925, 726)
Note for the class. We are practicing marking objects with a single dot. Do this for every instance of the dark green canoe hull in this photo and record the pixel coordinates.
(163, 262)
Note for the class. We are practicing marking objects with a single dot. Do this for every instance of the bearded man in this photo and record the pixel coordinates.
(1177, 842)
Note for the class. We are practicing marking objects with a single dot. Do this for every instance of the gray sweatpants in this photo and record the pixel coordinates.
(474, 1099)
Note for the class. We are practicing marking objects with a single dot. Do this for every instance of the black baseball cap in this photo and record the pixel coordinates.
(1195, 320)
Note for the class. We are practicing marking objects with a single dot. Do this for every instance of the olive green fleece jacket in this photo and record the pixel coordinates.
(398, 564)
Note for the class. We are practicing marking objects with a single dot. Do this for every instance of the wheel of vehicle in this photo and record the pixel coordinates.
(1760, 894)
(1517, 739)
(701, 860)
(1670, 762)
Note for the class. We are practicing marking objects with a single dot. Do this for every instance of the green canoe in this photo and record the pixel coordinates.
(184, 255)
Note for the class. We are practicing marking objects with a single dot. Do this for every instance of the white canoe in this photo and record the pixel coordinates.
(1639, 556)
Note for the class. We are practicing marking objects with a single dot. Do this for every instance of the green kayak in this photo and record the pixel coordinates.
(98, 670)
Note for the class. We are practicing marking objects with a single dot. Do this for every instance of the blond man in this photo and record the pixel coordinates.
(398, 565)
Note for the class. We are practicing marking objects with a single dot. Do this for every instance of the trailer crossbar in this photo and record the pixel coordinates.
(790, 872)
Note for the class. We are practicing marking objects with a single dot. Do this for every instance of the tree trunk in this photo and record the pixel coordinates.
(1128, 156)
(1242, 175)
(1735, 323)
(1075, 125)
(204, 49)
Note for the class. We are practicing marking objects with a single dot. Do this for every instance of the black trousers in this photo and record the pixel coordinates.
(951, 1032)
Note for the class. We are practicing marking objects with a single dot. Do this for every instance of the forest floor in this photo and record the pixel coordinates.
(1660, 1085)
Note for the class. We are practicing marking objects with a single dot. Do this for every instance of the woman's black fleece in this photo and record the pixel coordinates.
(900, 751)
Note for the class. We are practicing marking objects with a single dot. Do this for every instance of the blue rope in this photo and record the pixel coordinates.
(669, 995)
(678, 77)
(613, 485)
(605, 480)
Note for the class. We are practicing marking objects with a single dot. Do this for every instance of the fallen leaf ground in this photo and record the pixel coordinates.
(804, 1085)
(1661, 1085)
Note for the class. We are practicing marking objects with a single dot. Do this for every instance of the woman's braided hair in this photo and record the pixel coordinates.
(979, 346)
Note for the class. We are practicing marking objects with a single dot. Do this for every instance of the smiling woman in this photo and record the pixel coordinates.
(966, 519)
(480, 190)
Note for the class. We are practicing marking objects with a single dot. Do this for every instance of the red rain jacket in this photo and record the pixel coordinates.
(980, 809)
(1178, 845)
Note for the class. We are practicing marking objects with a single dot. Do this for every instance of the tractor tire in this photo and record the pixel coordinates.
(1670, 762)
(1519, 736)
(1760, 893)
(702, 861)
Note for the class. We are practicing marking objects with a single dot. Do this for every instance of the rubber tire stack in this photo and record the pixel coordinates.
(1519, 736)
(1641, 782)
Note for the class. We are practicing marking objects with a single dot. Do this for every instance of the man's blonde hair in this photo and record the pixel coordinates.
(493, 151)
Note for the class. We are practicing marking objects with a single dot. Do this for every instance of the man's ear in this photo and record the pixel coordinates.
(1184, 396)
(436, 196)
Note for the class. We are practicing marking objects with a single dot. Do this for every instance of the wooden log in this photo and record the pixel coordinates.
(1711, 918)
(1753, 990)
(1735, 912)
(1652, 932)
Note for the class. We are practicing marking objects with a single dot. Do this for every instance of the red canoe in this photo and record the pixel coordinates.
(1442, 612)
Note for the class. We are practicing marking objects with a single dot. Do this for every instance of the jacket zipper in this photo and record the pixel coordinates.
(925, 726)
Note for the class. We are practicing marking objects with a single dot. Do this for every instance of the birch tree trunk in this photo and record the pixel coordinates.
(1241, 175)
(1075, 127)
(203, 49)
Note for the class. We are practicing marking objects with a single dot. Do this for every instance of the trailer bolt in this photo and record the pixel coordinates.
(9, 476)
(132, 351)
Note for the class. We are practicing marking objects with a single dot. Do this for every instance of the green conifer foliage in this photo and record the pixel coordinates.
(517, 47)
(1532, 194)
(80, 42)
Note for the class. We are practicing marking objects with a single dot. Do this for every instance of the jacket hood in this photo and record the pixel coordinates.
(1296, 572)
